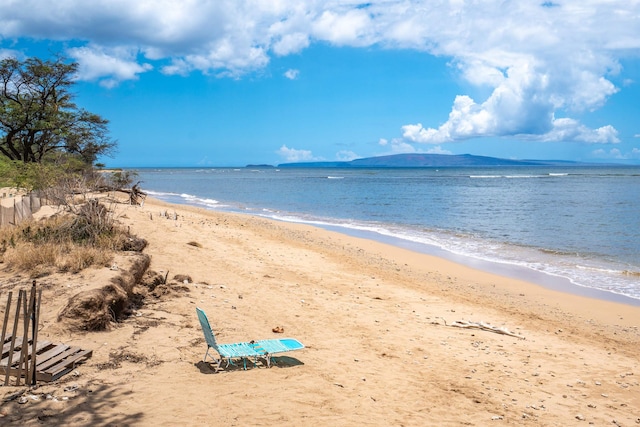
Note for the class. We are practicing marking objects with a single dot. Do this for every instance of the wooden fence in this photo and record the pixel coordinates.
(14, 210)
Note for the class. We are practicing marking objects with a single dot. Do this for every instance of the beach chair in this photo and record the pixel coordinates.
(243, 350)
(273, 346)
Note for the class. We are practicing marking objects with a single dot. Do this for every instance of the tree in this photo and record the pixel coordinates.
(38, 117)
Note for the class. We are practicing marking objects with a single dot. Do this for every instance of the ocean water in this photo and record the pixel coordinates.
(550, 225)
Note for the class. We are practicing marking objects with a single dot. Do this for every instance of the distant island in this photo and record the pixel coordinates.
(261, 166)
(428, 160)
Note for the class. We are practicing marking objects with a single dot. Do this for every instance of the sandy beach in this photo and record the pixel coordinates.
(377, 321)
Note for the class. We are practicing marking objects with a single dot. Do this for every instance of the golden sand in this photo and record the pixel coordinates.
(376, 321)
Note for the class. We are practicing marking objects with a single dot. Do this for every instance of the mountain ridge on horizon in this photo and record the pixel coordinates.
(430, 160)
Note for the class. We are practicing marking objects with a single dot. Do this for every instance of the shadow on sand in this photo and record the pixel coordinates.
(208, 368)
(90, 405)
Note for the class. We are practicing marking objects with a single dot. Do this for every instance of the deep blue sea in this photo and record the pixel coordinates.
(550, 225)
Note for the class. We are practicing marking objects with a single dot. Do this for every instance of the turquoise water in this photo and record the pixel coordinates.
(579, 224)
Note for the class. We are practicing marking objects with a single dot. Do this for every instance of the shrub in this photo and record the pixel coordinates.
(67, 242)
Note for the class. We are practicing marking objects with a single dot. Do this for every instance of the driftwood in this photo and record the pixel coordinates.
(136, 195)
(482, 326)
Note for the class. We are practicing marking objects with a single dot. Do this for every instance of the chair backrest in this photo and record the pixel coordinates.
(206, 329)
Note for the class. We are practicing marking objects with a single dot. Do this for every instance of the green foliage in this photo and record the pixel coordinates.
(38, 117)
(122, 179)
(6, 172)
(53, 171)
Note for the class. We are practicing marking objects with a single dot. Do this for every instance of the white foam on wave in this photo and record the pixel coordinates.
(160, 193)
(560, 266)
(506, 176)
(185, 198)
(191, 197)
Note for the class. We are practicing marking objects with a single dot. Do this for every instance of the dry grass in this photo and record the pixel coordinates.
(64, 243)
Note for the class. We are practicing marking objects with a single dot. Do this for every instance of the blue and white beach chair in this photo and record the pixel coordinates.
(273, 346)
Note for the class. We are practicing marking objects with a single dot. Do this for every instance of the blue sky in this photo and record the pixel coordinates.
(228, 83)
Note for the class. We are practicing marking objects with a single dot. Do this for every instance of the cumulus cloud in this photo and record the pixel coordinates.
(523, 103)
(400, 146)
(616, 154)
(292, 74)
(9, 53)
(108, 66)
(396, 146)
(438, 150)
(537, 60)
(468, 120)
(351, 27)
(295, 155)
(346, 156)
(290, 43)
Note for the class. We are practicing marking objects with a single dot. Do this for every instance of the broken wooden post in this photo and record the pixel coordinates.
(24, 346)
(35, 315)
(13, 339)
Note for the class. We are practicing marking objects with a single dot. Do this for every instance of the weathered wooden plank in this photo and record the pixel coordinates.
(39, 347)
(13, 352)
(68, 364)
(52, 352)
(13, 339)
(6, 320)
(34, 331)
(24, 356)
(7, 346)
(52, 361)
(23, 361)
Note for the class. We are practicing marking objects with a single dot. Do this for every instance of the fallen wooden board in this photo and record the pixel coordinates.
(52, 360)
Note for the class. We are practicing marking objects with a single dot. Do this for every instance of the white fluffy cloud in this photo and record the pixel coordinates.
(107, 66)
(294, 155)
(346, 156)
(468, 119)
(538, 60)
(396, 146)
(292, 74)
(400, 146)
(616, 154)
(523, 102)
(9, 53)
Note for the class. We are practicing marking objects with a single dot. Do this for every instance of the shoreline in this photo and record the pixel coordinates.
(519, 272)
(540, 278)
